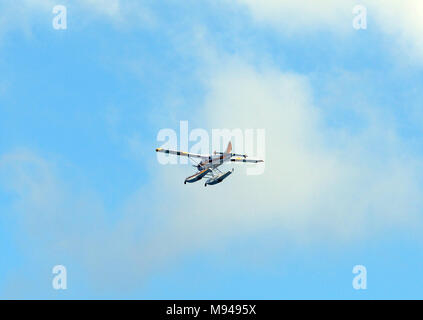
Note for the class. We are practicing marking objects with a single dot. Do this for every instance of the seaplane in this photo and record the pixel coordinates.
(207, 165)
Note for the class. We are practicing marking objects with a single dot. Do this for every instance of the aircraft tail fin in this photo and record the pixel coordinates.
(229, 148)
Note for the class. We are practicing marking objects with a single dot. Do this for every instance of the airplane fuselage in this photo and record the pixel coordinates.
(213, 161)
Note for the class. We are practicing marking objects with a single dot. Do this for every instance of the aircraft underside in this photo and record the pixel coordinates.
(213, 175)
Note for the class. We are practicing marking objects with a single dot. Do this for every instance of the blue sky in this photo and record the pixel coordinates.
(80, 184)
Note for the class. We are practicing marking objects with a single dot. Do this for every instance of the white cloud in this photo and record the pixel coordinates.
(314, 176)
(26, 14)
(121, 13)
(401, 21)
(318, 183)
(107, 7)
(22, 15)
(302, 15)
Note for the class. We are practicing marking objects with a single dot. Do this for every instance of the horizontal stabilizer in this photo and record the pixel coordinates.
(245, 160)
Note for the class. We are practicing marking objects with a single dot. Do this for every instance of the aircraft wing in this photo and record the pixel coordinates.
(245, 160)
(182, 153)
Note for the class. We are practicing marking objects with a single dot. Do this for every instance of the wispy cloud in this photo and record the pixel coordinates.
(401, 22)
(27, 14)
(319, 181)
(316, 176)
(300, 16)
